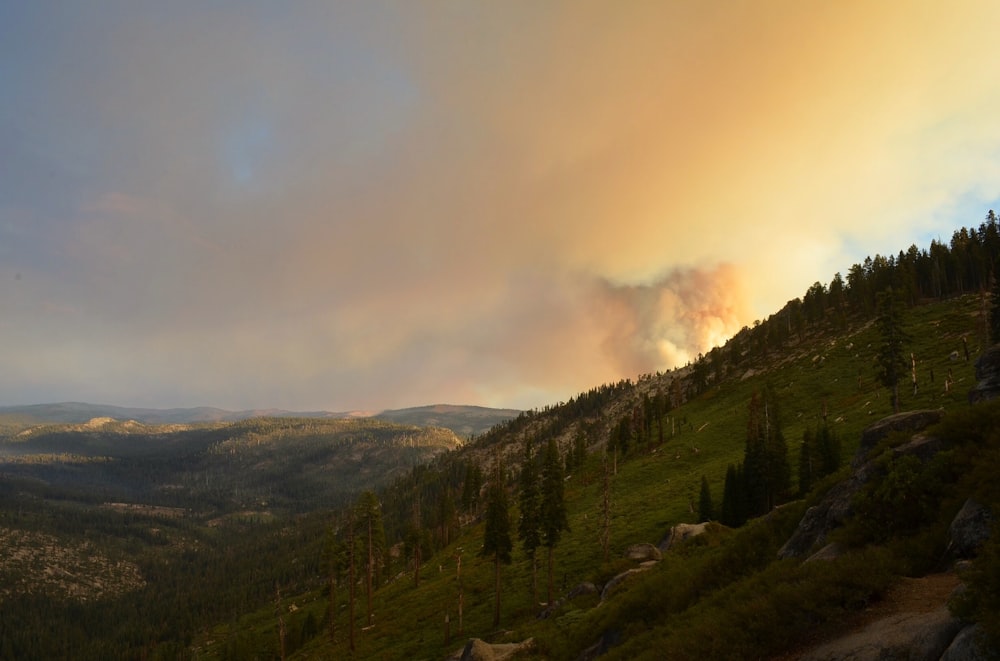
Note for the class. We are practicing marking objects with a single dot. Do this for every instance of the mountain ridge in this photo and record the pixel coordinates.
(465, 420)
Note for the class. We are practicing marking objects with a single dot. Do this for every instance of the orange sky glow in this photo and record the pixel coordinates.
(374, 205)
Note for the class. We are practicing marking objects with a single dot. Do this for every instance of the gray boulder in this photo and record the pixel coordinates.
(828, 552)
(987, 376)
(643, 552)
(921, 446)
(831, 513)
(681, 532)
(908, 421)
(969, 529)
(967, 646)
(479, 650)
(912, 636)
(615, 582)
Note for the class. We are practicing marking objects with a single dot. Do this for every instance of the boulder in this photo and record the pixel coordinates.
(643, 552)
(967, 646)
(681, 532)
(908, 421)
(613, 584)
(830, 513)
(969, 529)
(987, 376)
(914, 636)
(921, 446)
(479, 650)
(828, 552)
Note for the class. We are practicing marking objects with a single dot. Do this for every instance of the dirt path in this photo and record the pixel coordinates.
(908, 595)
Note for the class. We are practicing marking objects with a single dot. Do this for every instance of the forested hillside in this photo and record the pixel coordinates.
(754, 426)
(562, 503)
(118, 538)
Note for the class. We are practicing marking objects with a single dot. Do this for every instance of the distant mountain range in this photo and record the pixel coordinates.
(465, 421)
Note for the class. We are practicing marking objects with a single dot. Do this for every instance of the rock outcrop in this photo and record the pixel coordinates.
(914, 636)
(837, 506)
(479, 650)
(643, 553)
(969, 529)
(829, 514)
(908, 421)
(613, 584)
(828, 552)
(987, 376)
(967, 646)
(681, 532)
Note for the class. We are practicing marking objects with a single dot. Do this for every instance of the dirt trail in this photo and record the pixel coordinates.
(908, 595)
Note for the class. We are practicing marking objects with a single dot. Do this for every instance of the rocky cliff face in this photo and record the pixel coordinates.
(987, 376)
(834, 510)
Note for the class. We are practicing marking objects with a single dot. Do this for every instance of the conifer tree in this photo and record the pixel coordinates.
(827, 449)
(471, 485)
(733, 512)
(553, 506)
(529, 525)
(336, 558)
(706, 510)
(496, 538)
(605, 506)
(765, 461)
(891, 361)
(369, 520)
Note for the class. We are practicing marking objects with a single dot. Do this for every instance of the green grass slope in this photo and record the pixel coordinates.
(830, 370)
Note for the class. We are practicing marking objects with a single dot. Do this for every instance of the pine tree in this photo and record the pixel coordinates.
(496, 538)
(471, 486)
(336, 558)
(369, 520)
(733, 512)
(765, 463)
(529, 525)
(413, 541)
(706, 510)
(891, 360)
(553, 506)
(351, 582)
(605, 506)
(827, 449)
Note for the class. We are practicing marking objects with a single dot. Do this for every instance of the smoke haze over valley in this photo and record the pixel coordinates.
(378, 205)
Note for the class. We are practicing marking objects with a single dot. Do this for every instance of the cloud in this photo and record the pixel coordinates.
(384, 204)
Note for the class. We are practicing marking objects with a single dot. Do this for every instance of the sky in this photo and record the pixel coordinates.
(367, 205)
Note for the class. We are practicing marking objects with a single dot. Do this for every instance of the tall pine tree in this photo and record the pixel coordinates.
(496, 538)
(706, 510)
(765, 463)
(553, 506)
(890, 359)
(371, 534)
(529, 525)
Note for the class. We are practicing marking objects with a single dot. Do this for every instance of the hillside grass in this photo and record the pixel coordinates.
(654, 489)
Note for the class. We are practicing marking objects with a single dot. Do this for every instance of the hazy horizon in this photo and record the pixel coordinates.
(379, 205)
